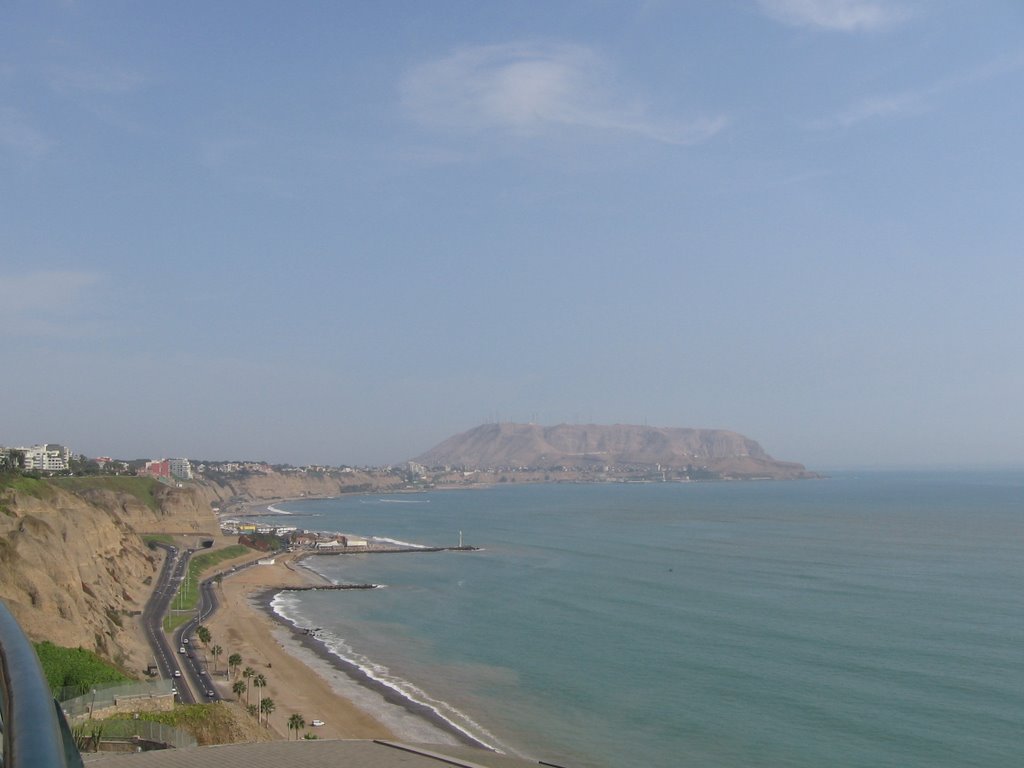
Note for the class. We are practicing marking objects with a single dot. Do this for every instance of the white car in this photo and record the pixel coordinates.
(317, 723)
(182, 649)
(177, 673)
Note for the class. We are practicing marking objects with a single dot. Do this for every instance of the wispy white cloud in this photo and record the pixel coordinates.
(19, 136)
(877, 107)
(529, 89)
(839, 15)
(45, 303)
(910, 103)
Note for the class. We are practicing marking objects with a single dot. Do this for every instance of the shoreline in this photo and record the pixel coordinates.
(305, 676)
(264, 600)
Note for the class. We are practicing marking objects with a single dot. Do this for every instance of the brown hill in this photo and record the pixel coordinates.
(719, 452)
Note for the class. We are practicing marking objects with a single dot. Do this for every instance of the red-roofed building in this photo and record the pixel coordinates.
(160, 468)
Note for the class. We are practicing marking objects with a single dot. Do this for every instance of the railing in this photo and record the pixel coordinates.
(35, 733)
(142, 729)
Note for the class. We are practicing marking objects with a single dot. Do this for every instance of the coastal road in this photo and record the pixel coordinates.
(156, 608)
(194, 659)
(184, 656)
(195, 664)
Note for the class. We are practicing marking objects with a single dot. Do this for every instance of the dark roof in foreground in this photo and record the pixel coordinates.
(318, 753)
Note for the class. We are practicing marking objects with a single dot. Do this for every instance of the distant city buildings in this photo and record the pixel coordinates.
(166, 469)
(53, 458)
(46, 457)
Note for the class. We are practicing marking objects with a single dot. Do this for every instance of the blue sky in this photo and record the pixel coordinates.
(339, 232)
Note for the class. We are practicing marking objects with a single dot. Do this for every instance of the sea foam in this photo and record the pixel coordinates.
(286, 605)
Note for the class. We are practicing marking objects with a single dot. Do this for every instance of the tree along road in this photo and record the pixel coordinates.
(184, 657)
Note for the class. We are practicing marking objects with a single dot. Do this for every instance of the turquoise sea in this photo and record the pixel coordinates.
(868, 619)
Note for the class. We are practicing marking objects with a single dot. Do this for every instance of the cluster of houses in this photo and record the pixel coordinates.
(54, 458)
(296, 538)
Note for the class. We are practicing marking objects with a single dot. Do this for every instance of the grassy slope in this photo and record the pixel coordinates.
(74, 667)
(142, 488)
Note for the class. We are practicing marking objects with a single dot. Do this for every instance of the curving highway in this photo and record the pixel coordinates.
(193, 682)
(159, 603)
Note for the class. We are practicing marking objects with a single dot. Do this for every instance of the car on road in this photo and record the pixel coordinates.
(177, 673)
(182, 649)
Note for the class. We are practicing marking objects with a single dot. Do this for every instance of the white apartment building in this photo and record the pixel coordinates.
(181, 468)
(49, 457)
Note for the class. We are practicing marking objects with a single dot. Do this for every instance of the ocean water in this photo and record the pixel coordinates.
(868, 619)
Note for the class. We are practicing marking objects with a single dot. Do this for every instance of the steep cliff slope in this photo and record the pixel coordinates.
(73, 566)
(237, 488)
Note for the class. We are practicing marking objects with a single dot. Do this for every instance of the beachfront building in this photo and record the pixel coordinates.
(355, 541)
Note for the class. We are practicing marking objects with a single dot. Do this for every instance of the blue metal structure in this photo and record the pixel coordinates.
(35, 733)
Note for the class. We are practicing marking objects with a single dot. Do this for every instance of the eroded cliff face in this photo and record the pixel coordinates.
(255, 487)
(73, 566)
(74, 569)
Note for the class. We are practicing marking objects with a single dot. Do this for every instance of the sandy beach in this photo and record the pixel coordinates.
(302, 677)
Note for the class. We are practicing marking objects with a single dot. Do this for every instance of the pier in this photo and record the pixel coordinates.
(378, 549)
(321, 587)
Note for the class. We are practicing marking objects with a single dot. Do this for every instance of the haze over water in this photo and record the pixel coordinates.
(869, 619)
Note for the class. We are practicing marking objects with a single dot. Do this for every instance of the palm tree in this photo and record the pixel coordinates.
(259, 681)
(248, 673)
(267, 705)
(203, 634)
(234, 662)
(296, 723)
(239, 688)
(216, 651)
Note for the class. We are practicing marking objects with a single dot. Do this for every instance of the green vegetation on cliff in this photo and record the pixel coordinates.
(14, 482)
(143, 488)
(74, 668)
(209, 723)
